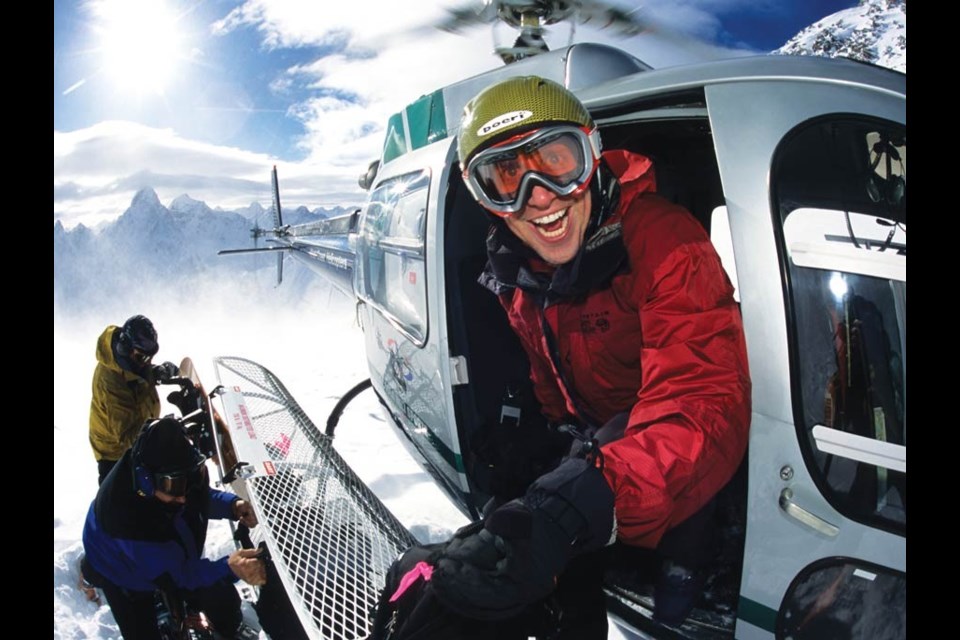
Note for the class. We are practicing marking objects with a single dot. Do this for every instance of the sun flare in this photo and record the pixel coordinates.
(141, 44)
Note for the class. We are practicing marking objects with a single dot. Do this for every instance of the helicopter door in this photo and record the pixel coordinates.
(817, 208)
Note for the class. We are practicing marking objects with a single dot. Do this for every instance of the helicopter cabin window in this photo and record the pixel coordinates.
(845, 598)
(679, 141)
(391, 275)
(840, 193)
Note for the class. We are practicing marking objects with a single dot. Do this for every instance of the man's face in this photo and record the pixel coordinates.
(170, 502)
(140, 358)
(179, 487)
(551, 225)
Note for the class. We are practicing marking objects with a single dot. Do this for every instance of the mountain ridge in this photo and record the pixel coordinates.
(168, 249)
(874, 31)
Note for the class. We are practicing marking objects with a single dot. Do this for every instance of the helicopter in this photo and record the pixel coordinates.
(796, 166)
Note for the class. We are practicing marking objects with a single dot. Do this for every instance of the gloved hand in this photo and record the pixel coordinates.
(164, 372)
(514, 560)
(247, 566)
(243, 511)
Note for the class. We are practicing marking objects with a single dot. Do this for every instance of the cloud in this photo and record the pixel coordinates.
(294, 23)
(392, 56)
(97, 171)
(363, 66)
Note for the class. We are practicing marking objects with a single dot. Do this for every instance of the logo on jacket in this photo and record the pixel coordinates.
(604, 235)
(595, 322)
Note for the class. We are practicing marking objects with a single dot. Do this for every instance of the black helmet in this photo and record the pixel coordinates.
(137, 333)
(165, 459)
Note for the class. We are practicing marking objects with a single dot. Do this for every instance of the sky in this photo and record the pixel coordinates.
(203, 97)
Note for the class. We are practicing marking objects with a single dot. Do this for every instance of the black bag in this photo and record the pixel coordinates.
(417, 614)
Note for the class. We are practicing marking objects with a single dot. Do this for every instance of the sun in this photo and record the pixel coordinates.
(141, 44)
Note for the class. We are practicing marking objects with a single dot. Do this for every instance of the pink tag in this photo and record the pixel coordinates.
(421, 569)
(283, 444)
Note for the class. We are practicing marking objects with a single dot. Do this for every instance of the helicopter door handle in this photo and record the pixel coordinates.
(794, 510)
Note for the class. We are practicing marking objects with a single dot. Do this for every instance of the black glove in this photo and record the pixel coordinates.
(514, 560)
(163, 373)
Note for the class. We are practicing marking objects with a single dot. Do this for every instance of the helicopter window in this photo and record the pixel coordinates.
(391, 275)
(408, 216)
(844, 598)
(680, 144)
(839, 187)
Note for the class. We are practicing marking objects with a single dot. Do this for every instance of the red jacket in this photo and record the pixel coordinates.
(656, 333)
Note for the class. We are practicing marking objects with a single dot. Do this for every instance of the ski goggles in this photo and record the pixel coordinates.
(140, 357)
(561, 159)
(179, 483)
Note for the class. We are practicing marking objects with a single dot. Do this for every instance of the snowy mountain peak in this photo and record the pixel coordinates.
(145, 212)
(874, 31)
(152, 252)
(146, 198)
(254, 211)
(186, 204)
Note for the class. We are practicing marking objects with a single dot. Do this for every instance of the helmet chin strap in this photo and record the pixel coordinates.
(605, 196)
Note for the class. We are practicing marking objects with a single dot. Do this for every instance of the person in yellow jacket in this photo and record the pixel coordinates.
(124, 388)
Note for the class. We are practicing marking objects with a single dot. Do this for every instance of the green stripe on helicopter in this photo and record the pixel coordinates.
(455, 460)
(757, 614)
(421, 123)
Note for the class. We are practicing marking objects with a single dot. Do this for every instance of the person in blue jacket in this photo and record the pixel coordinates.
(146, 529)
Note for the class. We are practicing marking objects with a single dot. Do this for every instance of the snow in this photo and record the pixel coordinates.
(314, 349)
(874, 31)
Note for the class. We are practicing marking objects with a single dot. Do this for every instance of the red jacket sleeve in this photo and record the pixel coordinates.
(687, 432)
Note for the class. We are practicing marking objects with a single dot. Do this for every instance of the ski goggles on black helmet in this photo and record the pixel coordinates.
(140, 357)
(180, 483)
(559, 158)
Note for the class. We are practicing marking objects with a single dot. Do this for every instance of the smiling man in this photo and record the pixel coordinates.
(634, 338)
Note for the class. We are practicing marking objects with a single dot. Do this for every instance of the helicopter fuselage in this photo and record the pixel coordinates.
(797, 168)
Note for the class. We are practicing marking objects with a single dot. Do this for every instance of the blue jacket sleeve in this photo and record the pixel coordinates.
(157, 559)
(221, 505)
(143, 566)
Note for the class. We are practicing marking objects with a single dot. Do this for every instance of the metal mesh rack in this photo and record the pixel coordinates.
(330, 537)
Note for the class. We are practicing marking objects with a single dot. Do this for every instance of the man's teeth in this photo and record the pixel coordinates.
(553, 217)
(560, 218)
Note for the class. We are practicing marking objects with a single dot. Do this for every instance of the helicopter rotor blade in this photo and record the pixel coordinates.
(466, 16)
(626, 22)
(531, 20)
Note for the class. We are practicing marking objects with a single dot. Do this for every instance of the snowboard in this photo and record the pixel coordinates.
(204, 421)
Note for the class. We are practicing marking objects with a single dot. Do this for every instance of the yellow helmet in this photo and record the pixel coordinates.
(523, 132)
(513, 106)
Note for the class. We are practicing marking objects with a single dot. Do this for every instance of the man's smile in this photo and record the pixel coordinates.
(552, 225)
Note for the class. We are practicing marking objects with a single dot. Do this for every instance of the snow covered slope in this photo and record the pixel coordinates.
(875, 31)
